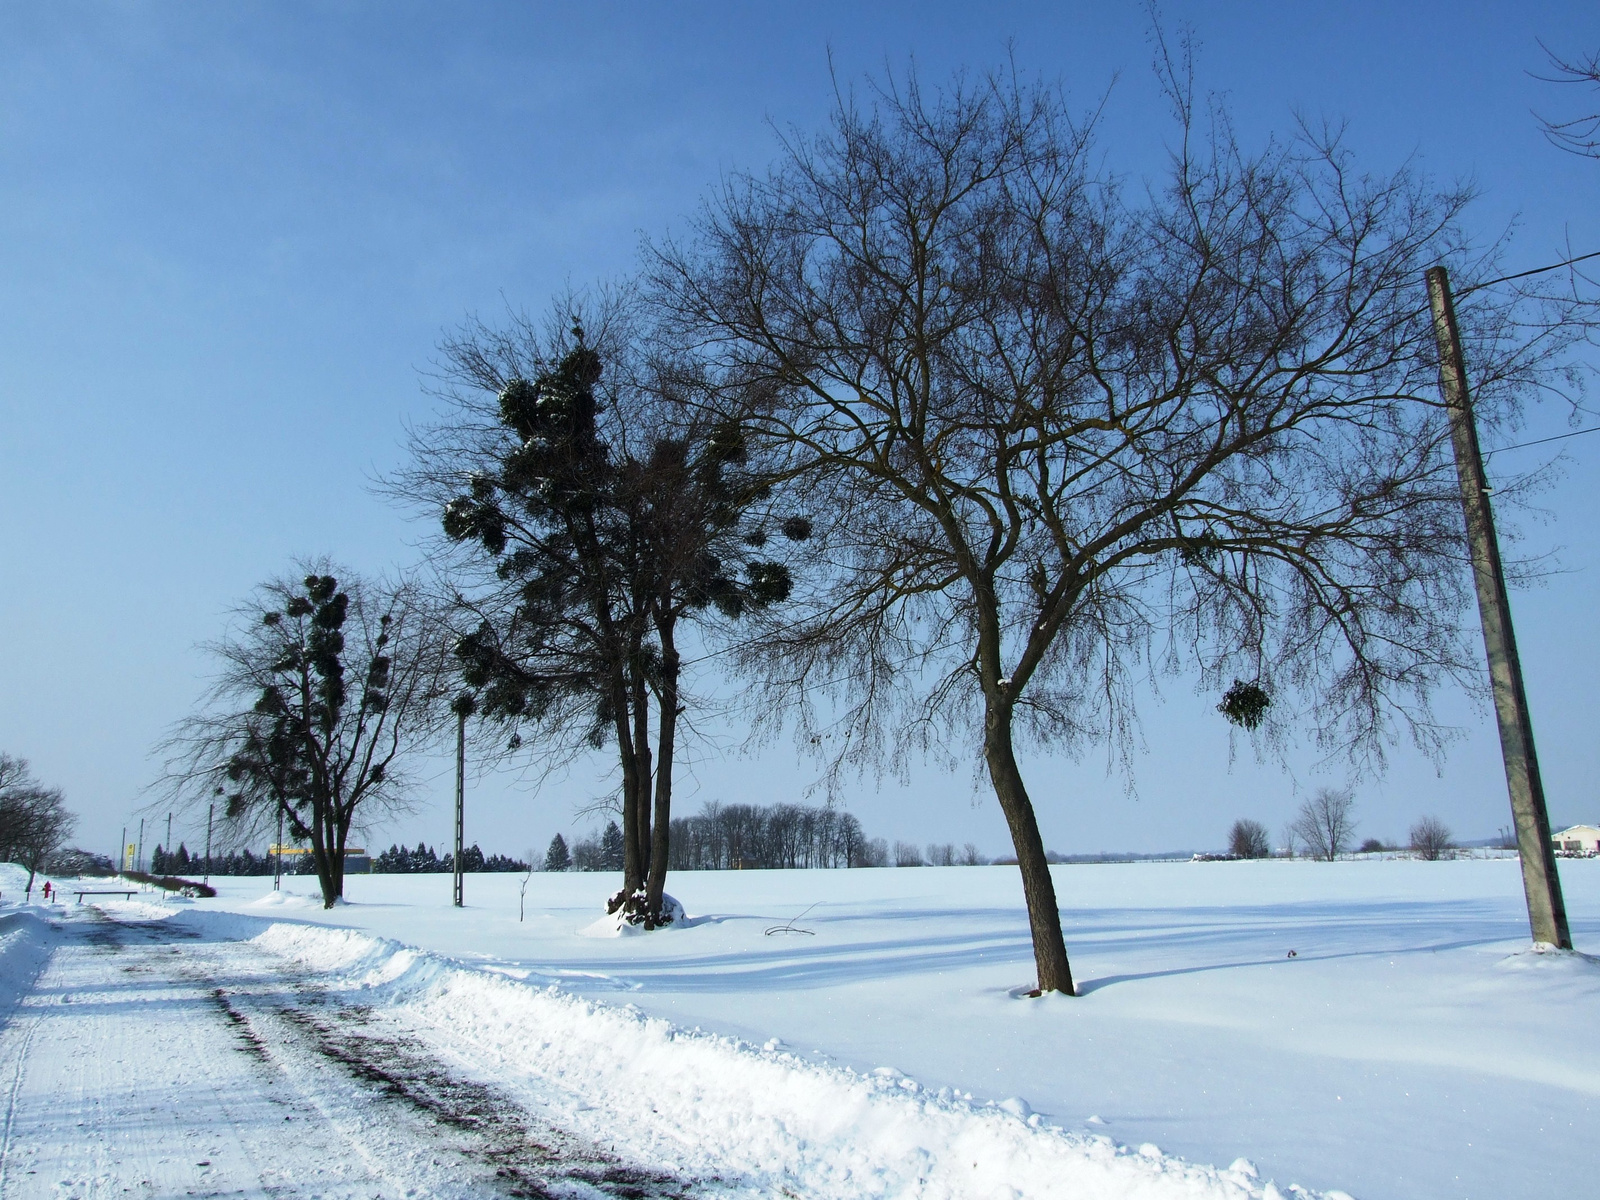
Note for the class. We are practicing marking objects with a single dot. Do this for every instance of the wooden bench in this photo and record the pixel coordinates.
(129, 894)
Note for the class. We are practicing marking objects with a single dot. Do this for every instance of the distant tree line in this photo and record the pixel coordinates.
(1324, 827)
(232, 862)
(944, 854)
(393, 861)
(724, 837)
(397, 860)
(731, 836)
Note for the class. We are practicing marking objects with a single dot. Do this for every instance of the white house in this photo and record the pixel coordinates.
(1580, 839)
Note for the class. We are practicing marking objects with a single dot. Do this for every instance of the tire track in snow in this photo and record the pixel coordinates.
(148, 1061)
(280, 1015)
(13, 1093)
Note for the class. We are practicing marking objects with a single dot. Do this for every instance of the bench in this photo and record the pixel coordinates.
(129, 894)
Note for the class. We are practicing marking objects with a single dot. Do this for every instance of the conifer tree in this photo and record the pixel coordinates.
(611, 847)
(557, 858)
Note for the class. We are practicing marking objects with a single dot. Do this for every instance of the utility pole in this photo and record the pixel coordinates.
(1547, 912)
(138, 859)
(169, 835)
(211, 810)
(122, 852)
(277, 857)
(463, 706)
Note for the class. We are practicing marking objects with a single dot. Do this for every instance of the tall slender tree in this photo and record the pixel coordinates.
(596, 497)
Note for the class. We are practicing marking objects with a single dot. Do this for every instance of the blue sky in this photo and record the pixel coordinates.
(233, 235)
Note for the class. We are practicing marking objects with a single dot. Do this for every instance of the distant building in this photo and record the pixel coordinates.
(1580, 839)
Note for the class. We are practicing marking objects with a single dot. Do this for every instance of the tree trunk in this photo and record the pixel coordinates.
(341, 838)
(632, 863)
(1044, 918)
(666, 735)
(320, 857)
(641, 752)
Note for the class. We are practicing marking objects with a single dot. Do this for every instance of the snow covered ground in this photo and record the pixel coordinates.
(1412, 1046)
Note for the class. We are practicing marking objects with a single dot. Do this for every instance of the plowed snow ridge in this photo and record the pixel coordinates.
(703, 1105)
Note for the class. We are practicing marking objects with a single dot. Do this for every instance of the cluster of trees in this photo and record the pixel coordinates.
(723, 837)
(1325, 826)
(945, 854)
(395, 860)
(179, 861)
(601, 852)
(946, 441)
(228, 863)
(34, 821)
(422, 860)
(746, 836)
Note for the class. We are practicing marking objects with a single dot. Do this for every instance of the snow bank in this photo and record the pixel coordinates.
(24, 947)
(14, 883)
(709, 1105)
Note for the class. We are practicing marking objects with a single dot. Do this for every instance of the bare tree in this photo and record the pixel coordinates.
(970, 856)
(522, 892)
(1431, 839)
(906, 854)
(327, 683)
(1062, 435)
(1326, 823)
(1249, 839)
(729, 836)
(1580, 134)
(34, 821)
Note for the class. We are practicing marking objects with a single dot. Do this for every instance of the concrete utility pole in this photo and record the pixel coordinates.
(1547, 912)
(277, 856)
(211, 811)
(169, 835)
(461, 795)
(122, 852)
(138, 859)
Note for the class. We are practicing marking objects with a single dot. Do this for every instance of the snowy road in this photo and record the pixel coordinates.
(153, 1049)
(149, 1060)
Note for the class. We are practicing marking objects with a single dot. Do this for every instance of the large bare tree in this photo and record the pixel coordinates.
(1326, 823)
(1062, 433)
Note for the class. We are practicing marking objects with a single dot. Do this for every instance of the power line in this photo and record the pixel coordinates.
(1524, 274)
(1541, 441)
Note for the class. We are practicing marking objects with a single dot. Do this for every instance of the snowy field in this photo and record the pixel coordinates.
(1411, 1047)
